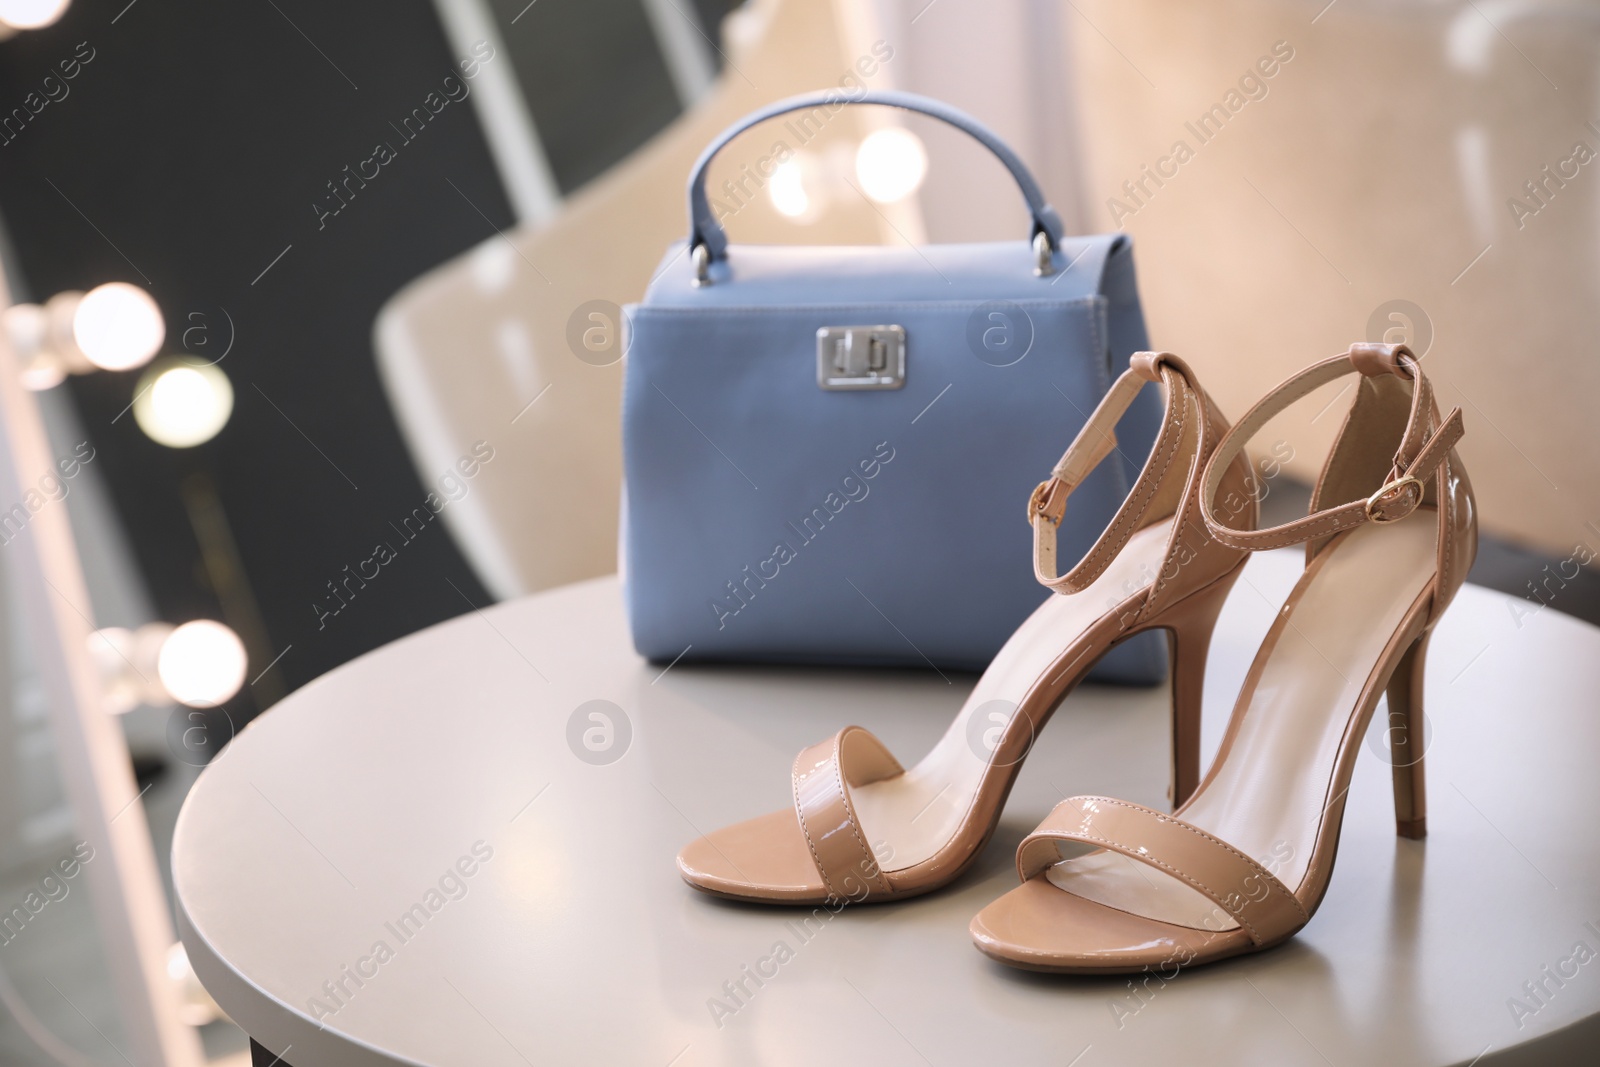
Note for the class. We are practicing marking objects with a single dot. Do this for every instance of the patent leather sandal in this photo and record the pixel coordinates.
(1110, 886)
(861, 828)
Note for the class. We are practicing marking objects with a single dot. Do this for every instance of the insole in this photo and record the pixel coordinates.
(1268, 796)
(917, 812)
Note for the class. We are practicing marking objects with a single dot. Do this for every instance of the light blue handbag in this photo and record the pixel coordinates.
(829, 451)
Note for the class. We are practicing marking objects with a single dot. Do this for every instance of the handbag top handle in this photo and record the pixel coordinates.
(706, 232)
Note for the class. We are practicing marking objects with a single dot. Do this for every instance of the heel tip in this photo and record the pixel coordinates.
(1413, 829)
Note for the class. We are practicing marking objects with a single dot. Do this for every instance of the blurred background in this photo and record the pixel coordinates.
(316, 332)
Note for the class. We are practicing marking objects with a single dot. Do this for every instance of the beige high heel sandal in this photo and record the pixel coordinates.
(1110, 886)
(861, 828)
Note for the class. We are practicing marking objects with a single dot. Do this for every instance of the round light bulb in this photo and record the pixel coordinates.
(202, 663)
(31, 14)
(27, 327)
(787, 188)
(890, 164)
(117, 326)
(181, 403)
(42, 374)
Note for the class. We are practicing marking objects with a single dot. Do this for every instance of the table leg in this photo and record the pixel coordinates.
(260, 1057)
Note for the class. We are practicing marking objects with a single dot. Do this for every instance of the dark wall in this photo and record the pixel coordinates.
(565, 57)
(185, 156)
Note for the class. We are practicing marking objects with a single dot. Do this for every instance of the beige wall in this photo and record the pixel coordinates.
(1378, 166)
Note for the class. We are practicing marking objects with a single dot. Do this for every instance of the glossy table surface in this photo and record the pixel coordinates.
(420, 858)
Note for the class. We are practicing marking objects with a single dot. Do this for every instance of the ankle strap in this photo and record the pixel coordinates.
(1096, 441)
(1424, 445)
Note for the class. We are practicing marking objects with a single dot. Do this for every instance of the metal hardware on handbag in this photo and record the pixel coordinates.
(861, 357)
(791, 495)
(1042, 255)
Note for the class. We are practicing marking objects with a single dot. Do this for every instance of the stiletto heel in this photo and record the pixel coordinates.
(863, 828)
(1407, 741)
(1243, 864)
(1189, 625)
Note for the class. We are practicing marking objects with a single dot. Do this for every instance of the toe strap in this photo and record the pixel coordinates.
(1251, 895)
(823, 777)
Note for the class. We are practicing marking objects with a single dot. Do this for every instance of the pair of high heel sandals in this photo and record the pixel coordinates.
(1243, 861)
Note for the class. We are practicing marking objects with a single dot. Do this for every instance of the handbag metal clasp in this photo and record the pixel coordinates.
(861, 357)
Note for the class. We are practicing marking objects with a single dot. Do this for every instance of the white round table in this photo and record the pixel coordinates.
(420, 859)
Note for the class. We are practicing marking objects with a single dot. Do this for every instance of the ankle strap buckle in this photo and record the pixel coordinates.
(1036, 501)
(1406, 491)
